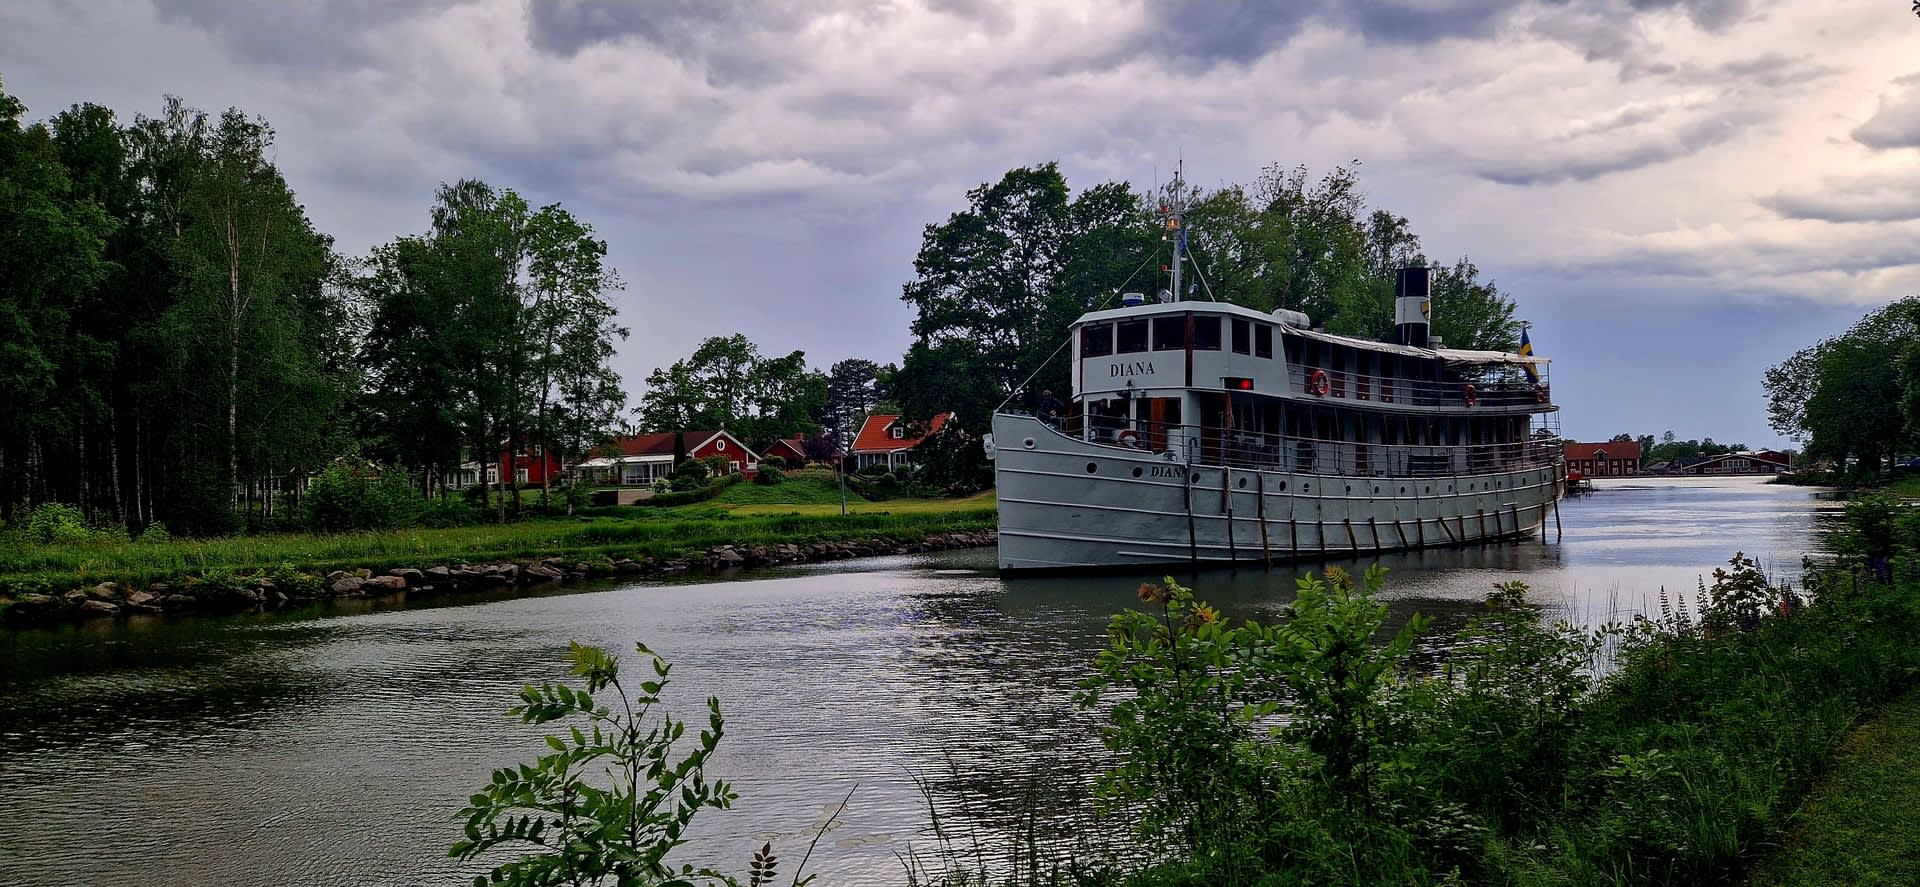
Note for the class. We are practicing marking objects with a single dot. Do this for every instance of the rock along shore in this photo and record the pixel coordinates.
(270, 590)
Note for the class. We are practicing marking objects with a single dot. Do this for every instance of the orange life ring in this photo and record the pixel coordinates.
(1467, 394)
(1127, 438)
(1318, 385)
(1540, 393)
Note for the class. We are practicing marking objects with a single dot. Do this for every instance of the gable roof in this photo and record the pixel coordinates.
(875, 434)
(786, 447)
(1623, 449)
(660, 443)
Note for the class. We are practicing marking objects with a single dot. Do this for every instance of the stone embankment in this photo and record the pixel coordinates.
(276, 589)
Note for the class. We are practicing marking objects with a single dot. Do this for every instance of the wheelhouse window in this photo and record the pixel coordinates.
(1206, 334)
(1132, 336)
(1170, 333)
(1243, 336)
(1262, 340)
(1096, 340)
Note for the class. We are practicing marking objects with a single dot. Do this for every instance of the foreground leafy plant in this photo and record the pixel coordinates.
(614, 829)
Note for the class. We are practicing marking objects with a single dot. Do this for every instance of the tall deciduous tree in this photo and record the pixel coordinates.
(52, 254)
(726, 383)
(1844, 395)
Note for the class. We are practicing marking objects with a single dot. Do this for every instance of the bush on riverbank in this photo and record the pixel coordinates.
(1663, 750)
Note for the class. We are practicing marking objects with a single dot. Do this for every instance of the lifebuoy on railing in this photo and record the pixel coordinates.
(1318, 385)
(1127, 438)
(1467, 394)
(1540, 394)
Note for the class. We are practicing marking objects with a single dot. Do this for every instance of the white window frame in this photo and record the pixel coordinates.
(897, 433)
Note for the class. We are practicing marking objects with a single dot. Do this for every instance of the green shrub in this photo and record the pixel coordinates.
(53, 523)
(449, 513)
(689, 475)
(155, 534)
(345, 498)
(717, 465)
(771, 471)
(687, 497)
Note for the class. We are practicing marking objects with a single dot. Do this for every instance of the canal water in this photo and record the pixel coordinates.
(334, 746)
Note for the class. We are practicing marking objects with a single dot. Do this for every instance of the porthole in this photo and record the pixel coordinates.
(1403, 491)
(1349, 488)
(1196, 477)
(1429, 490)
(1449, 488)
(1306, 488)
(1283, 486)
(1136, 472)
(1092, 467)
(1376, 491)
(1243, 483)
(1028, 443)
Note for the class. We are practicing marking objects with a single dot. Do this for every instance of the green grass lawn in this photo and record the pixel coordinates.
(1861, 826)
(638, 532)
(1907, 486)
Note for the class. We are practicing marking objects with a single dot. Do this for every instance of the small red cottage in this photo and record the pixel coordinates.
(640, 459)
(885, 439)
(788, 449)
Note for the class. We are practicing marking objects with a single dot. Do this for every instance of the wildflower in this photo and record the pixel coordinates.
(1202, 615)
(1151, 593)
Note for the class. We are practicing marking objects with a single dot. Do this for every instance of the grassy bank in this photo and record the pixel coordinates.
(660, 534)
(1862, 824)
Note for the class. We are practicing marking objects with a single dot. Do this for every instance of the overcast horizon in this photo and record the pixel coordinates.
(1678, 194)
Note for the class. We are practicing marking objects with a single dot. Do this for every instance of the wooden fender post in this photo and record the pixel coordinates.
(1260, 489)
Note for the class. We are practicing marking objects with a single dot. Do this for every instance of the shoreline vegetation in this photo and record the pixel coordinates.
(98, 578)
(1676, 748)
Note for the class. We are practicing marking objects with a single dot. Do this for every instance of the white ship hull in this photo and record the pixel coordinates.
(1069, 504)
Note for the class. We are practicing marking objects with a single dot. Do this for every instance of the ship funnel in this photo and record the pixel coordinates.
(1413, 306)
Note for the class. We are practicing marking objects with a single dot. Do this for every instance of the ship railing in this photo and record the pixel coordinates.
(1235, 448)
(1338, 385)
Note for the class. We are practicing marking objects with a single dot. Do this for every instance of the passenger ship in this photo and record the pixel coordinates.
(1204, 432)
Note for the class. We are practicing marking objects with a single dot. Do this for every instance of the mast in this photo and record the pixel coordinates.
(1177, 222)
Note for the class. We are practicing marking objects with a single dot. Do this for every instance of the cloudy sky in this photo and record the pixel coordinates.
(1677, 192)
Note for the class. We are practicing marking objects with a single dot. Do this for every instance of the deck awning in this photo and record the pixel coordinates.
(602, 462)
(1456, 356)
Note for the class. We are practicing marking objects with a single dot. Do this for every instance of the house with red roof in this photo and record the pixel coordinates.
(632, 460)
(887, 439)
(789, 450)
(1612, 459)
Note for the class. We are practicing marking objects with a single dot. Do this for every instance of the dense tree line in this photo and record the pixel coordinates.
(1669, 447)
(179, 344)
(1854, 398)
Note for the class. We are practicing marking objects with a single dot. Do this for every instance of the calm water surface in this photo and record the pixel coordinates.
(333, 746)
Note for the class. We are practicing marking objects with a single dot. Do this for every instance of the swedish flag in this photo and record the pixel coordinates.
(1526, 350)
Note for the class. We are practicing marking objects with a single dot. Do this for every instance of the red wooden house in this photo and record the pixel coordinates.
(789, 449)
(641, 459)
(532, 466)
(1612, 459)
